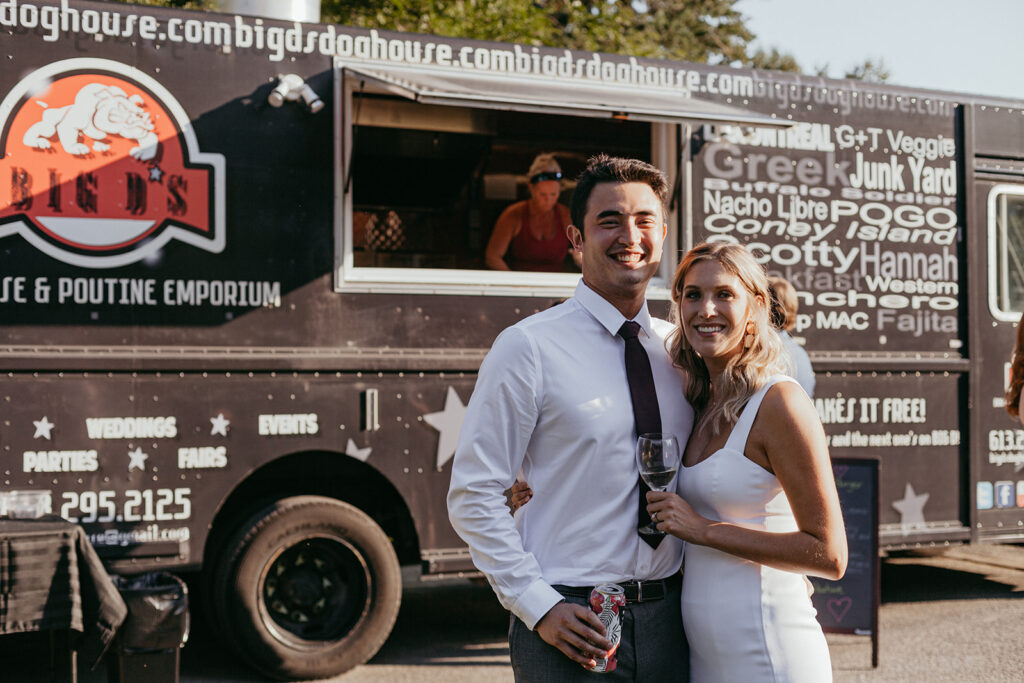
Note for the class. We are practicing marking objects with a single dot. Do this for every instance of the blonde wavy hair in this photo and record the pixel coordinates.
(747, 371)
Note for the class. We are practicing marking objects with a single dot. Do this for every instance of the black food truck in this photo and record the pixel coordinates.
(243, 296)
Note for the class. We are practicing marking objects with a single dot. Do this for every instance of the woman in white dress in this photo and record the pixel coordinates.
(758, 505)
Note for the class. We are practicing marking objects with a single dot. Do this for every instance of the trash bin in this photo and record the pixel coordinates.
(147, 645)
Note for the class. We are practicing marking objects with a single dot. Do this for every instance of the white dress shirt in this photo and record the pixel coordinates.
(552, 400)
(799, 362)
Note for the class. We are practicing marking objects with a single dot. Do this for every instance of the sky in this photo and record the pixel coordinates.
(971, 46)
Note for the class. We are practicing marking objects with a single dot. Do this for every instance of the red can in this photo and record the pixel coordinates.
(607, 600)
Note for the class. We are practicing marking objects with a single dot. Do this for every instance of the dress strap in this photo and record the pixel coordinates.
(741, 430)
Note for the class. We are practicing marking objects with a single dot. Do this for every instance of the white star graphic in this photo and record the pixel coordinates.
(156, 173)
(43, 428)
(220, 425)
(911, 507)
(356, 452)
(448, 422)
(137, 460)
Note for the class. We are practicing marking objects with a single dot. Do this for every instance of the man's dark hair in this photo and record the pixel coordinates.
(605, 169)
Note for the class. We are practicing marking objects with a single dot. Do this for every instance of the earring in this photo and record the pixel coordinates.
(748, 340)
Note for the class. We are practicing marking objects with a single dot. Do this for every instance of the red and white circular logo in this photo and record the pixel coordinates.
(104, 167)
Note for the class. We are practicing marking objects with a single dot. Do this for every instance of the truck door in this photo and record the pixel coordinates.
(995, 200)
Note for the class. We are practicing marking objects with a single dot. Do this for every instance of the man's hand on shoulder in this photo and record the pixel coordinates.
(575, 631)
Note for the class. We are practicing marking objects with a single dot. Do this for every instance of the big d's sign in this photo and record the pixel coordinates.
(100, 167)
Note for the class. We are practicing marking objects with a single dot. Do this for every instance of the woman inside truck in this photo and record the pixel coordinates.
(530, 234)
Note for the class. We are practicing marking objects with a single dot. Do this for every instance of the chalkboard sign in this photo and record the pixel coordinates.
(850, 605)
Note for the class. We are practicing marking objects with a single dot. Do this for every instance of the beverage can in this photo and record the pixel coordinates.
(607, 600)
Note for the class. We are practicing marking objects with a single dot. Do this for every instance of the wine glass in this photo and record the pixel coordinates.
(657, 457)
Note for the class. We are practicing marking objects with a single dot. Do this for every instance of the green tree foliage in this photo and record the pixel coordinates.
(871, 71)
(704, 31)
(184, 4)
(507, 20)
(709, 31)
(774, 60)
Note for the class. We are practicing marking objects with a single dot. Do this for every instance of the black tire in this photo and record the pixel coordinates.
(309, 587)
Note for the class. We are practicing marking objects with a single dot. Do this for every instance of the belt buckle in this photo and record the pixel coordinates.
(639, 591)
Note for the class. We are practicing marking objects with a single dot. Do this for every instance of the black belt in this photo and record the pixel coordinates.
(636, 591)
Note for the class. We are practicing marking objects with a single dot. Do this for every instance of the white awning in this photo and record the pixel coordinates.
(552, 96)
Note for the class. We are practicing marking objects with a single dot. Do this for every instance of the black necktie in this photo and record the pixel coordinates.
(646, 415)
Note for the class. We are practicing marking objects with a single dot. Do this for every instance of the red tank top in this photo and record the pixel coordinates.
(529, 253)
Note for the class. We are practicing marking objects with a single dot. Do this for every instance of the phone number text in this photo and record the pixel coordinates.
(146, 505)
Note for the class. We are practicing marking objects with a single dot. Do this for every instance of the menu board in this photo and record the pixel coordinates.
(850, 605)
(857, 210)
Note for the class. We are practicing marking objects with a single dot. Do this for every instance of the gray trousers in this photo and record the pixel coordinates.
(653, 648)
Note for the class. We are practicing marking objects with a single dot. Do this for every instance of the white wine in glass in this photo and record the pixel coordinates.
(657, 457)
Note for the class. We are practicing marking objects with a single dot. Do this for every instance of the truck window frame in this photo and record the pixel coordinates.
(669, 112)
(348, 277)
(1000, 254)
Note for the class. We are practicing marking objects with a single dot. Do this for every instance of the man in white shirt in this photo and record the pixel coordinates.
(785, 306)
(552, 400)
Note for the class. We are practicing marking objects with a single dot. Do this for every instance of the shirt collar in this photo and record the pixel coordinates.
(606, 314)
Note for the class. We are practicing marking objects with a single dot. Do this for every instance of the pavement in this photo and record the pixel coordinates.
(949, 614)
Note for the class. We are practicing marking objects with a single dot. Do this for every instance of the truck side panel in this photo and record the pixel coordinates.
(146, 461)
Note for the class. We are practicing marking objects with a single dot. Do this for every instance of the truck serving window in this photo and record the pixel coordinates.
(430, 159)
(1006, 251)
(430, 181)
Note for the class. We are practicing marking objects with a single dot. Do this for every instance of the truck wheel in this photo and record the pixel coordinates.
(308, 588)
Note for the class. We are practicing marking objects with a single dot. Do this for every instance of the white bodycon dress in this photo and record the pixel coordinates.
(746, 622)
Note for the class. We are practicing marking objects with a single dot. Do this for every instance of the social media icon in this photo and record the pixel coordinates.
(985, 495)
(1004, 494)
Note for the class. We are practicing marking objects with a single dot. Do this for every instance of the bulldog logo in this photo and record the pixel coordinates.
(100, 167)
(98, 110)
